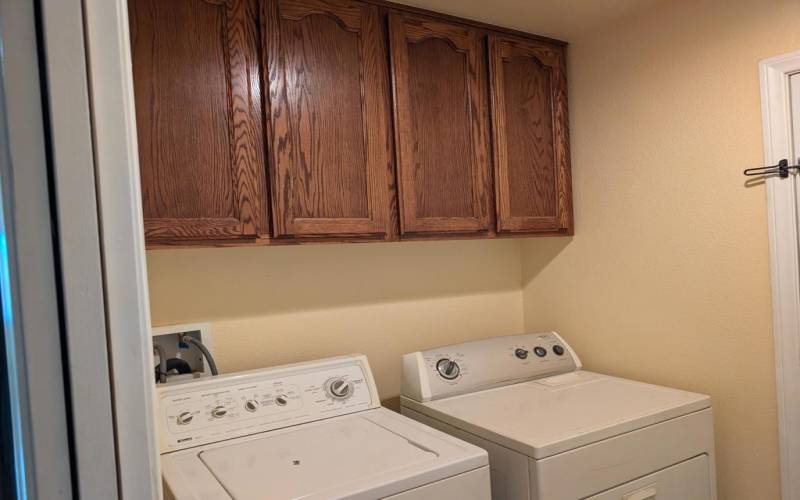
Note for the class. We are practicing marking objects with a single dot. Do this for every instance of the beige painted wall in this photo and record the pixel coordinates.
(284, 304)
(667, 278)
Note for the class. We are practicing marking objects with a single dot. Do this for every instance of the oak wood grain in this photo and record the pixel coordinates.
(198, 112)
(331, 163)
(251, 242)
(199, 70)
(481, 26)
(440, 118)
(530, 136)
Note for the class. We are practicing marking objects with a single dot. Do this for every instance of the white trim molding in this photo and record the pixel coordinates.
(125, 270)
(81, 271)
(783, 222)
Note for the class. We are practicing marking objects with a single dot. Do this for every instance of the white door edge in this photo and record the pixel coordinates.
(125, 269)
(784, 262)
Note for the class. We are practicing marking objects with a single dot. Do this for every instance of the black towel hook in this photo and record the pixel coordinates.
(782, 169)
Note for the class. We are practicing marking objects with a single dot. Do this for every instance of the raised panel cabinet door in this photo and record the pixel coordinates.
(196, 73)
(329, 125)
(531, 137)
(440, 117)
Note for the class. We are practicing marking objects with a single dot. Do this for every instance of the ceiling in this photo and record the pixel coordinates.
(562, 19)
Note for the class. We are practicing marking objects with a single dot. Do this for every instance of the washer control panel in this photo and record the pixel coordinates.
(236, 405)
(481, 364)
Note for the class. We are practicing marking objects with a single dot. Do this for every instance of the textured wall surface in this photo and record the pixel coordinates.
(667, 277)
(279, 305)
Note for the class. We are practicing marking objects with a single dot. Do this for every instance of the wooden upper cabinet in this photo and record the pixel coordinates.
(196, 70)
(329, 120)
(281, 121)
(440, 117)
(530, 132)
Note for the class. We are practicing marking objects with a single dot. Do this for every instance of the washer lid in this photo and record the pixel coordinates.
(544, 417)
(369, 455)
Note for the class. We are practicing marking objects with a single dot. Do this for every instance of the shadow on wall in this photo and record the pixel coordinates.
(222, 283)
(538, 254)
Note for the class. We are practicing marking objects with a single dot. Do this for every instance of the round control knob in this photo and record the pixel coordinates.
(281, 400)
(558, 350)
(540, 351)
(219, 411)
(448, 368)
(184, 418)
(340, 388)
(521, 353)
(251, 405)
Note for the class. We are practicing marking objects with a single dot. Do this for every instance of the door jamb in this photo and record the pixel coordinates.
(122, 241)
(783, 221)
(78, 238)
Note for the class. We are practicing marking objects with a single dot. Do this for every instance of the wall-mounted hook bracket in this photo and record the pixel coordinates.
(782, 169)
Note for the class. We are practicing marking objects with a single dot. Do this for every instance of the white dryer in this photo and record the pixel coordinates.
(310, 430)
(556, 432)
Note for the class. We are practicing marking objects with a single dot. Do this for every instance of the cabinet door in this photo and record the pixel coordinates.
(531, 144)
(329, 123)
(440, 117)
(198, 113)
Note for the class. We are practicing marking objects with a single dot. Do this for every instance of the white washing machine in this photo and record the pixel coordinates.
(556, 432)
(310, 430)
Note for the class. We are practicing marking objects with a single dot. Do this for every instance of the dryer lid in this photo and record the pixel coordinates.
(371, 455)
(547, 416)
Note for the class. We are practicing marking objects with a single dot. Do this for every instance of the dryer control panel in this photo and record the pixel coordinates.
(241, 404)
(482, 364)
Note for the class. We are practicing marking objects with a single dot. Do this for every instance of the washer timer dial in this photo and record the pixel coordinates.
(184, 418)
(339, 388)
(448, 369)
(219, 411)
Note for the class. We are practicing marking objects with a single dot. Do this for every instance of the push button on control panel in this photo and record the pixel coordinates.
(558, 350)
(540, 351)
(521, 353)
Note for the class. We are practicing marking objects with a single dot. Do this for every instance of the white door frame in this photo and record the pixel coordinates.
(782, 213)
(31, 331)
(122, 241)
(78, 236)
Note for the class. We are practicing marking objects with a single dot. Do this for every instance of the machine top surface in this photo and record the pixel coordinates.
(538, 402)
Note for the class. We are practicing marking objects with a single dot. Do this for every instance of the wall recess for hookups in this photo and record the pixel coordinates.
(168, 337)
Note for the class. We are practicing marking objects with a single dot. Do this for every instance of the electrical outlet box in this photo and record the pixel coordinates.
(168, 337)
